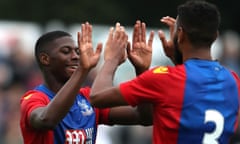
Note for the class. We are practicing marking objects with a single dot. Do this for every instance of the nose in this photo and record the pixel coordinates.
(75, 55)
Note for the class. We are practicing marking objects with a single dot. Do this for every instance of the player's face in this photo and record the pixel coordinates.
(64, 58)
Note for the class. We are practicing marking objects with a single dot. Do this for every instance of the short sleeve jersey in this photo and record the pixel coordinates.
(78, 126)
(193, 103)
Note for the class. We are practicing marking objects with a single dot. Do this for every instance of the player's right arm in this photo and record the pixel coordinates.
(47, 117)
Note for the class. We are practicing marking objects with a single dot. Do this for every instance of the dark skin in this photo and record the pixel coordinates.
(113, 56)
(65, 68)
(61, 63)
(104, 94)
(179, 39)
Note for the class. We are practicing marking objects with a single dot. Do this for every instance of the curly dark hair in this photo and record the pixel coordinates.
(200, 20)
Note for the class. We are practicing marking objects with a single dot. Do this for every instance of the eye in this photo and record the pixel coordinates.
(77, 51)
(65, 50)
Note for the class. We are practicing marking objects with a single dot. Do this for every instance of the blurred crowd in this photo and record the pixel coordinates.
(18, 73)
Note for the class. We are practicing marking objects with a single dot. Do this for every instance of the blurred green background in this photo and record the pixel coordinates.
(107, 11)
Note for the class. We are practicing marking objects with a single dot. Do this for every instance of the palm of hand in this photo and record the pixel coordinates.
(116, 45)
(141, 55)
(87, 57)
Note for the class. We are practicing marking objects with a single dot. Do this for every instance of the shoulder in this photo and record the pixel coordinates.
(165, 71)
(30, 101)
(32, 95)
(33, 99)
(159, 76)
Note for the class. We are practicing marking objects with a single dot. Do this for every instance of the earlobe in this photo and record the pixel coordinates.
(44, 59)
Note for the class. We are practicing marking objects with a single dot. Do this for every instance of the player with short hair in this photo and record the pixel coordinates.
(58, 111)
(194, 102)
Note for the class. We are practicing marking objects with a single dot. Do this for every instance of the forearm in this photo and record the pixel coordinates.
(48, 117)
(66, 96)
(103, 94)
(145, 111)
(104, 79)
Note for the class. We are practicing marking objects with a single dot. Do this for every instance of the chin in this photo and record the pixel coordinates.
(69, 74)
(70, 71)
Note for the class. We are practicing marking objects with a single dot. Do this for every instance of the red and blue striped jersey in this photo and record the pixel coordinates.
(78, 126)
(193, 103)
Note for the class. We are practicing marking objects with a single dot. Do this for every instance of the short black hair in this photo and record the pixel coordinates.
(200, 20)
(43, 40)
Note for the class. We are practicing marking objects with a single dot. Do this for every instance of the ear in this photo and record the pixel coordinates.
(181, 35)
(44, 58)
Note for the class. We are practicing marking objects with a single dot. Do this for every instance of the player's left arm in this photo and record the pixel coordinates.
(140, 55)
(121, 113)
(104, 95)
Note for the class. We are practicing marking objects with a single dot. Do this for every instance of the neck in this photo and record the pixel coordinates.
(52, 84)
(203, 53)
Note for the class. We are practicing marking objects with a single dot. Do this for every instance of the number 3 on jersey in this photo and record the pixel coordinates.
(218, 119)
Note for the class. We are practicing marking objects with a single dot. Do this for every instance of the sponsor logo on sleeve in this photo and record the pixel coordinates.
(27, 96)
(161, 70)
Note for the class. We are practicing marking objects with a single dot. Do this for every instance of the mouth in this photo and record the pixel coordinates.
(72, 68)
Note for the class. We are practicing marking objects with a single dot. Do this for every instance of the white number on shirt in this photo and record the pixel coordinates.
(218, 119)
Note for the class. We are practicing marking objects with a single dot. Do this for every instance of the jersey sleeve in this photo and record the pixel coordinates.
(152, 86)
(238, 87)
(30, 101)
(237, 80)
(104, 116)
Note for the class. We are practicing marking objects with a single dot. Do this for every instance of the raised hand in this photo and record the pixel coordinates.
(116, 44)
(141, 53)
(168, 45)
(88, 58)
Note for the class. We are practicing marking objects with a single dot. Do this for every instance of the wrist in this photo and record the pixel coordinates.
(110, 65)
(140, 70)
(113, 62)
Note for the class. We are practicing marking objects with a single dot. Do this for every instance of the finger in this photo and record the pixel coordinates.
(85, 32)
(139, 31)
(124, 35)
(99, 48)
(117, 30)
(168, 21)
(150, 40)
(143, 32)
(89, 33)
(83, 38)
(110, 35)
(171, 23)
(168, 18)
(128, 48)
(79, 39)
(162, 38)
(125, 39)
(135, 33)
